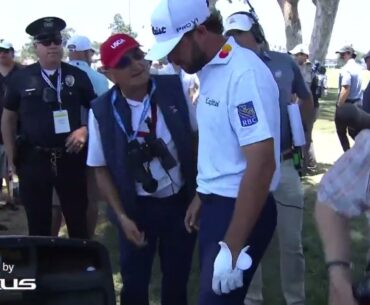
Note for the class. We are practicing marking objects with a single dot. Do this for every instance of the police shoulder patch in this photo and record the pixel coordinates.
(247, 114)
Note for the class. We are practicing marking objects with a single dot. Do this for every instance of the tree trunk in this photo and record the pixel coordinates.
(211, 2)
(293, 29)
(326, 11)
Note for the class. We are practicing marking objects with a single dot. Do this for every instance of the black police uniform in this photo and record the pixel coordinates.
(41, 159)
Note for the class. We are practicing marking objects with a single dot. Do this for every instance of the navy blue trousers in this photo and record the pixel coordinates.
(162, 220)
(215, 216)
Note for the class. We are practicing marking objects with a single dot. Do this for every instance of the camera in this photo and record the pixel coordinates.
(361, 290)
(137, 155)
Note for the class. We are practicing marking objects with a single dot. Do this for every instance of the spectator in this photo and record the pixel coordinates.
(350, 90)
(141, 149)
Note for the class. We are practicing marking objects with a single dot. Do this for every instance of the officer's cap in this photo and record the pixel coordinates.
(46, 26)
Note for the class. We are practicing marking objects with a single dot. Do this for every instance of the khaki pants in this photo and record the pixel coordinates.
(289, 202)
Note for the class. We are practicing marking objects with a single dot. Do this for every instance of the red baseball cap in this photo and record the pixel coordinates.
(117, 45)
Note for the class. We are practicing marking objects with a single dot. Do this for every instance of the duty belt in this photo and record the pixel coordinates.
(55, 153)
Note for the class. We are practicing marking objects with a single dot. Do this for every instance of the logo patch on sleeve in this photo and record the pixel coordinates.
(247, 114)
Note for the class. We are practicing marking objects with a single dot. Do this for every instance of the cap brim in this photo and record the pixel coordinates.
(5, 47)
(162, 49)
(113, 63)
(236, 28)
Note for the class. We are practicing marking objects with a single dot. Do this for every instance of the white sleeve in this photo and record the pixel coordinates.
(95, 154)
(246, 109)
(346, 78)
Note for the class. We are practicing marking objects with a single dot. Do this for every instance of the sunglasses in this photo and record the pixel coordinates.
(48, 41)
(3, 50)
(126, 60)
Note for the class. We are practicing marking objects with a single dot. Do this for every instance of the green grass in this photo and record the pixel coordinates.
(316, 278)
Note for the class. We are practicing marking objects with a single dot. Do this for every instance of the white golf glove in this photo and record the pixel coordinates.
(225, 278)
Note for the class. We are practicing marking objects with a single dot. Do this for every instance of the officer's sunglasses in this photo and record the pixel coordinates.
(3, 50)
(126, 60)
(48, 41)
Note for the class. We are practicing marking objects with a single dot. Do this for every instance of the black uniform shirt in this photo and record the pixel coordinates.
(34, 100)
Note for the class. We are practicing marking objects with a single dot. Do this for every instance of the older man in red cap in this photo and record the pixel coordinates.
(140, 147)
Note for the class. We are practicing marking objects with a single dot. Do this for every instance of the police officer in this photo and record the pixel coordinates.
(239, 127)
(350, 90)
(46, 98)
(245, 29)
(140, 146)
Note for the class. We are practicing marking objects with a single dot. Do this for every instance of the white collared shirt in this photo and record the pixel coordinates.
(98, 80)
(238, 106)
(350, 75)
(166, 187)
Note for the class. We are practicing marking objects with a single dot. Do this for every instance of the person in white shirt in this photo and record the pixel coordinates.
(80, 53)
(239, 146)
(350, 90)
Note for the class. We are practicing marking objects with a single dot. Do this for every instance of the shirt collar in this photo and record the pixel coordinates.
(224, 55)
(78, 63)
(264, 55)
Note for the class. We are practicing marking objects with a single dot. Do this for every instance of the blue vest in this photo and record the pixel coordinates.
(170, 99)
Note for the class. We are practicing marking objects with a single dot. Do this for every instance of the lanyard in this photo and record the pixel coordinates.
(58, 89)
(143, 114)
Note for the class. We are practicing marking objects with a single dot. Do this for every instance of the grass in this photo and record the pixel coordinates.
(316, 278)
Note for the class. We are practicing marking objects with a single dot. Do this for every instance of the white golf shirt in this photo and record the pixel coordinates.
(238, 106)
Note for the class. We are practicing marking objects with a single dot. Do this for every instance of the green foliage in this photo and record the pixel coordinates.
(28, 52)
(96, 45)
(119, 26)
(66, 34)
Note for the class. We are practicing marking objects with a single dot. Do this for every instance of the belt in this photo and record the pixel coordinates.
(352, 101)
(49, 150)
(287, 155)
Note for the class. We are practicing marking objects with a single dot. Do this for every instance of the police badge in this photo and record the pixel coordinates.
(69, 80)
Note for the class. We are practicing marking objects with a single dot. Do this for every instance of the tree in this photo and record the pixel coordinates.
(293, 29)
(66, 34)
(212, 3)
(119, 26)
(28, 52)
(96, 45)
(326, 11)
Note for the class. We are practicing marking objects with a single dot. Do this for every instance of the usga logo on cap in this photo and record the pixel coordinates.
(117, 43)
